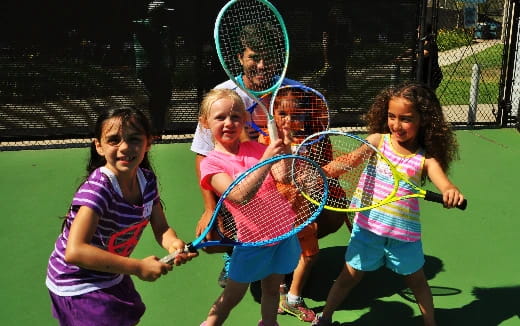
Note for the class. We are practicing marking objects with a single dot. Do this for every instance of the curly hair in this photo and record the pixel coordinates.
(435, 135)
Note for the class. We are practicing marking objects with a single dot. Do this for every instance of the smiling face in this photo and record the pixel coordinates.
(403, 122)
(289, 114)
(123, 147)
(226, 121)
(258, 75)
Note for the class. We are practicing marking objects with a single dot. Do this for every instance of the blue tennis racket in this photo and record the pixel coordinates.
(265, 205)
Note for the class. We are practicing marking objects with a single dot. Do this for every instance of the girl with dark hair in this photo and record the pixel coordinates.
(89, 270)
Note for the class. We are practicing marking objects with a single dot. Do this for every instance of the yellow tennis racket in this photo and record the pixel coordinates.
(351, 163)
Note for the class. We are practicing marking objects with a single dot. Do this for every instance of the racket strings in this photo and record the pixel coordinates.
(302, 109)
(346, 164)
(308, 112)
(252, 24)
(278, 207)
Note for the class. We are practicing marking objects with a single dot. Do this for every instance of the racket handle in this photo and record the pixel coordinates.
(436, 197)
(272, 129)
(168, 259)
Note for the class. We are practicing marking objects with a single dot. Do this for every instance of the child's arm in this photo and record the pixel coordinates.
(208, 197)
(281, 168)
(80, 252)
(167, 237)
(450, 193)
(279, 146)
(221, 181)
(345, 162)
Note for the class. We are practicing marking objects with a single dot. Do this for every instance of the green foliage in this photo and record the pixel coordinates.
(453, 38)
(454, 89)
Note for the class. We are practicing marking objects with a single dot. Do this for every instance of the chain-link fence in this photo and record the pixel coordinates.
(63, 62)
(474, 39)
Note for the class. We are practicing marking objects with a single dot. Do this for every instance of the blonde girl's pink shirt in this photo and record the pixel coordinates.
(269, 205)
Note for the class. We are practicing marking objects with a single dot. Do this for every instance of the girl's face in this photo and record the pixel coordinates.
(287, 114)
(226, 121)
(123, 151)
(403, 121)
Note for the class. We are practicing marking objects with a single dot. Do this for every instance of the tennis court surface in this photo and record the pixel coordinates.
(472, 256)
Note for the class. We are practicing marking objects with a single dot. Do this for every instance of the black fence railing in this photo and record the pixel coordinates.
(63, 62)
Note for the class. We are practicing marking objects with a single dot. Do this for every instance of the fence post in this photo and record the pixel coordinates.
(473, 94)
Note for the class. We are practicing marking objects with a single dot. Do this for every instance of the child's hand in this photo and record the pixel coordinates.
(183, 256)
(203, 222)
(274, 148)
(286, 135)
(452, 197)
(280, 146)
(150, 269)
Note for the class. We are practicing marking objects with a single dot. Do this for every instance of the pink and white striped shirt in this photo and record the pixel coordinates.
(400, 219)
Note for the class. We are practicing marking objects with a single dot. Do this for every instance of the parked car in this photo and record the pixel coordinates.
(487, 30)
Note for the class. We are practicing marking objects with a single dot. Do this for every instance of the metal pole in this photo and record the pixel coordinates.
(420, 46)
(473, 94)
(508, 63)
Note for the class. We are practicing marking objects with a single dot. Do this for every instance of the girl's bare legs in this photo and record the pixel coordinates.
(230, 297)
(419, 285)
(347, 279)
(301, 274)
(270, 298)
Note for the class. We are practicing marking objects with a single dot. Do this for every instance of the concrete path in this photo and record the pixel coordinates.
(454, 55)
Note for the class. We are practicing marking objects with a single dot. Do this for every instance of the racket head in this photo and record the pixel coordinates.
(304, 109)
(258, 211)
(407, 293)
(256, 25)
(349, 161)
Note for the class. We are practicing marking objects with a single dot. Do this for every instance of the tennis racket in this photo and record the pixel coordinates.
(352, 163)
(263, 205)
(304, 109)
(252, 43)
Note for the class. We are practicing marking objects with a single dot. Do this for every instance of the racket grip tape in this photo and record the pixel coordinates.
(168, 259)
(436, 197)
(272, 129)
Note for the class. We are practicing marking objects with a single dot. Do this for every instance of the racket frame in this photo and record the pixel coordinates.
(200, 241)
(255, 95)
(297, 87)
(398, 176)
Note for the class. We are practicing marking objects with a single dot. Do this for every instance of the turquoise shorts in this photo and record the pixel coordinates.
(249, 264)
(368, 251)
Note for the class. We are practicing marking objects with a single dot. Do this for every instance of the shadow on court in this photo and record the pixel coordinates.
(490, 307)
(374, 285)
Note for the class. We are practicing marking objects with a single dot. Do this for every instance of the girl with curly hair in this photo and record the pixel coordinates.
(407, 124)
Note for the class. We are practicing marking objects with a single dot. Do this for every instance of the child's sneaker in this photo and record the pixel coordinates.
(320, 321)
(283, 297)
(298, 310)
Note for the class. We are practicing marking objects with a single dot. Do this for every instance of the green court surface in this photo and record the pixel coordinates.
(472, 256)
